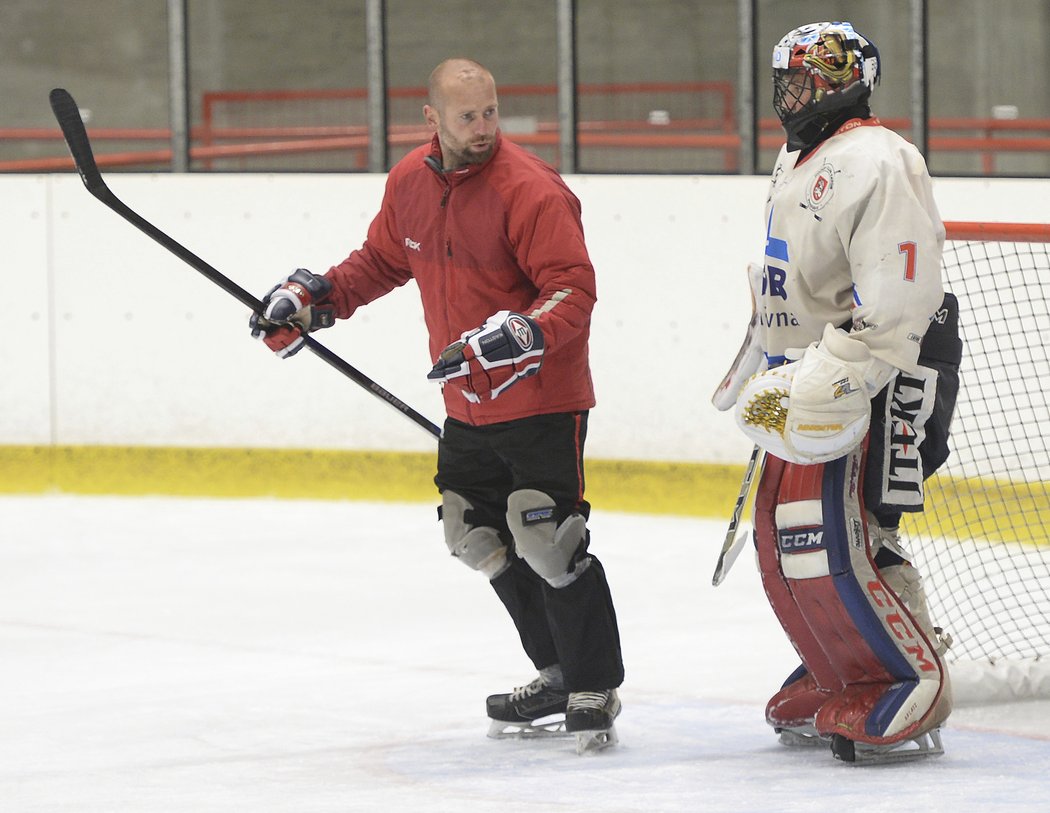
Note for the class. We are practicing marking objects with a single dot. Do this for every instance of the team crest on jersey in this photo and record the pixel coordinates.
(822, 188)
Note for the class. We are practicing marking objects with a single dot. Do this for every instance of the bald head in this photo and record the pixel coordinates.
(454, 75)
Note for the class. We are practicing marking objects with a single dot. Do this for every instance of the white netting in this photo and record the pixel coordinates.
(983, 543)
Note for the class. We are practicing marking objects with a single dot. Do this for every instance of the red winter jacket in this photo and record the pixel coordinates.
(503, 235)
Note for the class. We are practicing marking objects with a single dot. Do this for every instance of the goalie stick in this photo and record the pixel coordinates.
(733, 544)
(749, 359)
(68, 115)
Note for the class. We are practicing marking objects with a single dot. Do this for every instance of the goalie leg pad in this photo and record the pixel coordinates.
(478, 547)
(548, 547)
(891, 682)
(776, 586)
(904, 580)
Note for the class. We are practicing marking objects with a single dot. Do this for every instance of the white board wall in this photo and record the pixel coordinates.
(110, 339)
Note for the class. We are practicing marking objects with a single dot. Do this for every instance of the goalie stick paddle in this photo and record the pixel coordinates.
(734, 544)
(68, 115)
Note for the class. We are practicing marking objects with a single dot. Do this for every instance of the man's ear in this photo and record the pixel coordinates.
(430, 115)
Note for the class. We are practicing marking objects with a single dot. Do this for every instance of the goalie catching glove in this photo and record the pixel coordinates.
(291, 309)
(816, 409)
(487, 360)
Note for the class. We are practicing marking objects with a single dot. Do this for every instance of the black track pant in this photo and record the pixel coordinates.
(574, 626)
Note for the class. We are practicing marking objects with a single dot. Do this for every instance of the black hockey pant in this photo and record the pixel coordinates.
(574, 626)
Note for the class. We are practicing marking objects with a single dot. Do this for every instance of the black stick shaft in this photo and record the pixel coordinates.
(68, 115)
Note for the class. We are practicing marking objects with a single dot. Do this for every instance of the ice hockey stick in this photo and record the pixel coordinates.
(733, 544)
(68, 115)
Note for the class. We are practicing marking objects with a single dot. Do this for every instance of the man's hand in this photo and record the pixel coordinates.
(291, 309)
(487, 360)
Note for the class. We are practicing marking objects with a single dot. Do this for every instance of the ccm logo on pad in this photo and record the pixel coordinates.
(801, 540)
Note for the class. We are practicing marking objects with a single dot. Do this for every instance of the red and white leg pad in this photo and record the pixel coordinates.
(874, 675)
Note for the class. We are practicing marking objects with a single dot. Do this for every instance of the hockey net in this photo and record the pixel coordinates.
(983, 542)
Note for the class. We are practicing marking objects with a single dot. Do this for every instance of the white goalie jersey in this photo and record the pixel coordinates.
(854, 240)
(850, 280)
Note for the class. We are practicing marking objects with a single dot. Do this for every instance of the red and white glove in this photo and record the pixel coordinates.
(487, 360)
(292, 308)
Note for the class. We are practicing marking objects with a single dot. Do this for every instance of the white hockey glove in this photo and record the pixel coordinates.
(751, 357)
(816, 409)
(487, 360)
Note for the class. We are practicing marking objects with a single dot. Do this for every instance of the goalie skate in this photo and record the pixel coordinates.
(859, 753)
(801, 737)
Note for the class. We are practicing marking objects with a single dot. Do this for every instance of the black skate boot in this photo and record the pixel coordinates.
(535, 710)
(590, 716)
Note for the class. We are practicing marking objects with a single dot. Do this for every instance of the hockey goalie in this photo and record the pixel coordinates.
(848, 381)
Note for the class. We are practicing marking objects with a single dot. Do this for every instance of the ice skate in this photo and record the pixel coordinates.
(531, 711)
(590, 717)
(792, 709)
(925, 745)
(922, 745)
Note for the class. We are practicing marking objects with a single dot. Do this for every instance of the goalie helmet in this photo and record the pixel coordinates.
(819, 70)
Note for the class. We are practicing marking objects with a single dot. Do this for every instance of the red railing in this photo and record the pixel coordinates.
(716, 132)
(1000, 232)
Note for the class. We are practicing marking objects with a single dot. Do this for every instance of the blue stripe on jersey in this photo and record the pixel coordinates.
(775, 247)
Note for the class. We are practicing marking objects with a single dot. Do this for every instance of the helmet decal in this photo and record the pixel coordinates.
(835, 63)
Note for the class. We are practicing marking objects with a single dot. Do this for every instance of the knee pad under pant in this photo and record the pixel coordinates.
(479, 547)
(549, 548)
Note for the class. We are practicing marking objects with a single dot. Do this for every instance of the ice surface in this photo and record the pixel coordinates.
(258, 655)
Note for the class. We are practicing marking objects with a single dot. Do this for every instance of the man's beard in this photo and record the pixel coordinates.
(467, 156)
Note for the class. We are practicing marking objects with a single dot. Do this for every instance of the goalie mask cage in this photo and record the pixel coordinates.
(983, 541)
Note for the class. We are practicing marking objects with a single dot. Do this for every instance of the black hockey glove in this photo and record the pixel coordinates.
(292, 308)
(487, 360)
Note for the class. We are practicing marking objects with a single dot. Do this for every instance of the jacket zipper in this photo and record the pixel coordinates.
(444, 201)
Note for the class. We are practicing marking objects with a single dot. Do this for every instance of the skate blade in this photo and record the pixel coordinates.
(593, 742)
(544, 728)
(802, 738)
(921, 747)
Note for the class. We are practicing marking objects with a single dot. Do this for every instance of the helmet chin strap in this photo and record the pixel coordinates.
(807, 128)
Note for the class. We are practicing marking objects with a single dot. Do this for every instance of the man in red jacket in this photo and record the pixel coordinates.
(494, 239)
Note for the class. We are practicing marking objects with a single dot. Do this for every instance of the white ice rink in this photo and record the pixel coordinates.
(244, 655)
